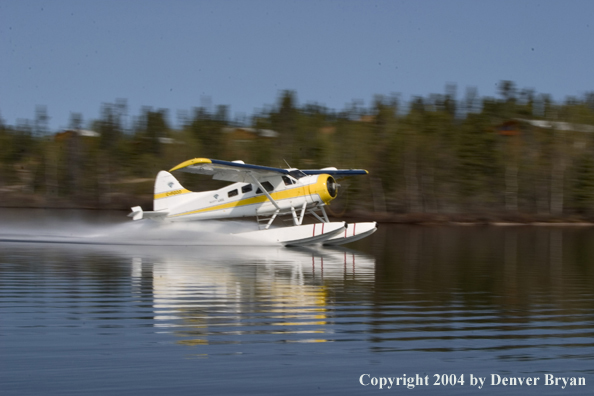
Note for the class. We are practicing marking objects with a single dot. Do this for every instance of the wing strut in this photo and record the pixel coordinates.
(264, 191)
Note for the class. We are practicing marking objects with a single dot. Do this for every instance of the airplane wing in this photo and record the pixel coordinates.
(228, 170)
(336, 173)
(237, 171)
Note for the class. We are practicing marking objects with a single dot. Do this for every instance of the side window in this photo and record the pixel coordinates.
(288, 181)
(267, 186)
(232, 193)
(246, 188)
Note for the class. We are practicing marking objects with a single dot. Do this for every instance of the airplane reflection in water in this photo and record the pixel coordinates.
(241, 295)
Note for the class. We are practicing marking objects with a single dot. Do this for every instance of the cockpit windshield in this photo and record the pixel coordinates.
(297, 174)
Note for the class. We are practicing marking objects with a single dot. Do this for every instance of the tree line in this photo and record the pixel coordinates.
(517, 154)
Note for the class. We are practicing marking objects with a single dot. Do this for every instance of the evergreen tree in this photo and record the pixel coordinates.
(110, 125)
(583, 186)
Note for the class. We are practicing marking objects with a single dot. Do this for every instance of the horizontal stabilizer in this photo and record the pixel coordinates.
(139, 214)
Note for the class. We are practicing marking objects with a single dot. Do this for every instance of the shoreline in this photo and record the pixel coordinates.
(419, 219)
(473, 219)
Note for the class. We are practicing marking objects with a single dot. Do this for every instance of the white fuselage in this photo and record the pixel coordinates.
(243, 199)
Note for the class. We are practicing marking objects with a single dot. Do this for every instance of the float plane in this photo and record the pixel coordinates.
(261, 192)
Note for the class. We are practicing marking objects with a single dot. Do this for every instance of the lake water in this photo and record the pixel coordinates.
(499, 303)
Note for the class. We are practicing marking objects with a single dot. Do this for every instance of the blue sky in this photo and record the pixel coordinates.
(72, 56)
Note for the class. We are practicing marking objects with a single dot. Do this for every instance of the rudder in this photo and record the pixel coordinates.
(168, 191)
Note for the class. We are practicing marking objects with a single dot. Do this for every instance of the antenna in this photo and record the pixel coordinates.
(287, 163)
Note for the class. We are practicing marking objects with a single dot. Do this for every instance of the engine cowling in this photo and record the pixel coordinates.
(325, 187)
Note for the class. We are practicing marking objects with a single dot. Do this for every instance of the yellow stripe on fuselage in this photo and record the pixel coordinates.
(171, 193)
(296, 192)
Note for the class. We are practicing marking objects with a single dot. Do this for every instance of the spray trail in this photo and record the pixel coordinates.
(55, 229)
